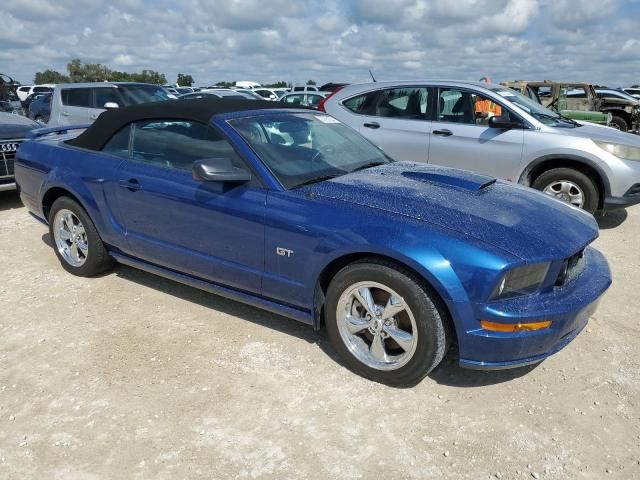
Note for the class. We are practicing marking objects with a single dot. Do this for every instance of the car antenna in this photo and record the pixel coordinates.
(372, 77)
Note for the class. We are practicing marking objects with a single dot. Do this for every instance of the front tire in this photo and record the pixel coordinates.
(619, 123)
(570, 186)
(385, 323)
(76, 242)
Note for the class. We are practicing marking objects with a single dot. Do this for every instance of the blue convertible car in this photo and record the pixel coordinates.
(293, 212)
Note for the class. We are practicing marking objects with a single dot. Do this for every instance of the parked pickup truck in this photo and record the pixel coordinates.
(13, 130)
(580, 101)
(77, 103)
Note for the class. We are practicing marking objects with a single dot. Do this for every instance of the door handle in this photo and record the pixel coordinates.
(373, 125)
(132, 184)
(443, 133)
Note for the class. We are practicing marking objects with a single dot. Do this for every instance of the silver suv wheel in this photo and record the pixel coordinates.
(566, 191)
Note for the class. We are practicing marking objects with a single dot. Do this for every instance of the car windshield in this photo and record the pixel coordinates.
(533, 108)
(304, 148)
(135, 94)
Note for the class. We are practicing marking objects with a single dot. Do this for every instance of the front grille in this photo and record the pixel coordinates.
(571, 268)
(8, 150)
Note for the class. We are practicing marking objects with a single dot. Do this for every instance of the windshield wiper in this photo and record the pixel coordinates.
(556, 118)
(570, 120)
(318, 179)
(368, 165)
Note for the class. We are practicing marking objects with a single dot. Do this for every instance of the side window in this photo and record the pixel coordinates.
(461, 106)
(364, 104)
(178, 143)
(294, 99)
(105, 95)
(314, 100)
(118, 145)
(41, 89)
(76, 97)
(408, 103)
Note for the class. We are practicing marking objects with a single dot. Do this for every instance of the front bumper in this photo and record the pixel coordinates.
(631, 197)
(568, 307)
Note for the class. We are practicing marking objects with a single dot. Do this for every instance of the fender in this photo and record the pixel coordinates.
(433, 268)
(522, 180)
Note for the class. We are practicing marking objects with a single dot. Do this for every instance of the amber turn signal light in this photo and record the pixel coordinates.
(514, 327)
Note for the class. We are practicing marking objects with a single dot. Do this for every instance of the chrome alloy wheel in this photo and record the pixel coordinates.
(70, 238)
(566, 191)
(377, 325)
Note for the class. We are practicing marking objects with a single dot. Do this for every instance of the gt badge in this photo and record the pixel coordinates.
(284, 252)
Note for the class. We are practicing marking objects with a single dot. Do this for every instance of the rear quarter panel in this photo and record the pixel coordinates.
(46, 163)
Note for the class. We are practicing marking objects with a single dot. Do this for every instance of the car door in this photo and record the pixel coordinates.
(76, 103)
(461, 137)
(398, 120)
(209, 230)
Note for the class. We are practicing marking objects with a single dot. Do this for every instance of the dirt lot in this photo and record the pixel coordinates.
(131, 376)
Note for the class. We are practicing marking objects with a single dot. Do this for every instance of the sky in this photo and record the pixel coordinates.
(297, 40)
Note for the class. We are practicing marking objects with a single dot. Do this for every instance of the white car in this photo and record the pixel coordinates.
(24, 91)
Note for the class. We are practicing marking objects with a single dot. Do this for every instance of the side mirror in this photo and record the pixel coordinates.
(504, 122)
(111, 105)
(219, 170)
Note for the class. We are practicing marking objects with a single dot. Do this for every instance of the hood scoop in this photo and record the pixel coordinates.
(467, 181)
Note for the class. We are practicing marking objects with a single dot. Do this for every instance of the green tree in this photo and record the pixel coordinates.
(226, 84)
(184, 80)
(310, 82)
(50, 76)
(280, 84)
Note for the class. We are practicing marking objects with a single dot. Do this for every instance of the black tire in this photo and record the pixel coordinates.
(430, 317)
(97, 258)
(619, 123)
(585, 183)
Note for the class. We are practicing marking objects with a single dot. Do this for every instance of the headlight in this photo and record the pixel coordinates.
(621, 151)
(521, 281)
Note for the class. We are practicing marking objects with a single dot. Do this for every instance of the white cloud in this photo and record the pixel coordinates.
(329, 41)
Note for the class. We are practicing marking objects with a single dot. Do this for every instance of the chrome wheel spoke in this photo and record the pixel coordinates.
(402, 338)
(364, 297)
(84, 248)
(394, 306)
(74, 251)
(355, 324)
(377, 349)
(65, 234)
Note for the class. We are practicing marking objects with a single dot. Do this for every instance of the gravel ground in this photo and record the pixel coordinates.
(129, 376)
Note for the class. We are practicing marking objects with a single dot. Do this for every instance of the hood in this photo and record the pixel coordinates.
(599, 133)
(15, 126)
(516, 219)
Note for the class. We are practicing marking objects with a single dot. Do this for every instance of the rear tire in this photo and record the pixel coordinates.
(403, 341)
(570, 186)
(75, 239)
(619, 123)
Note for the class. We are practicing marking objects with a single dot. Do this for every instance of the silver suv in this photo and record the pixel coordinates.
(78, 103)
(495, 131)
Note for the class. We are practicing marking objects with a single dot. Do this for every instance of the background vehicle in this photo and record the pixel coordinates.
(227, 94)
(554, 96)
(495, 131)
(249, 93)
(625, 113)
(31, 98)
(81, 103)
(305, 88)
(634, 92)
(13, 130)
(40, 109)
(270, 94)
(332, 87)
(292, 211)
(309, 99)
(25, 91)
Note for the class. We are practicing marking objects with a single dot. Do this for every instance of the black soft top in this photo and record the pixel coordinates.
(199, 110)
